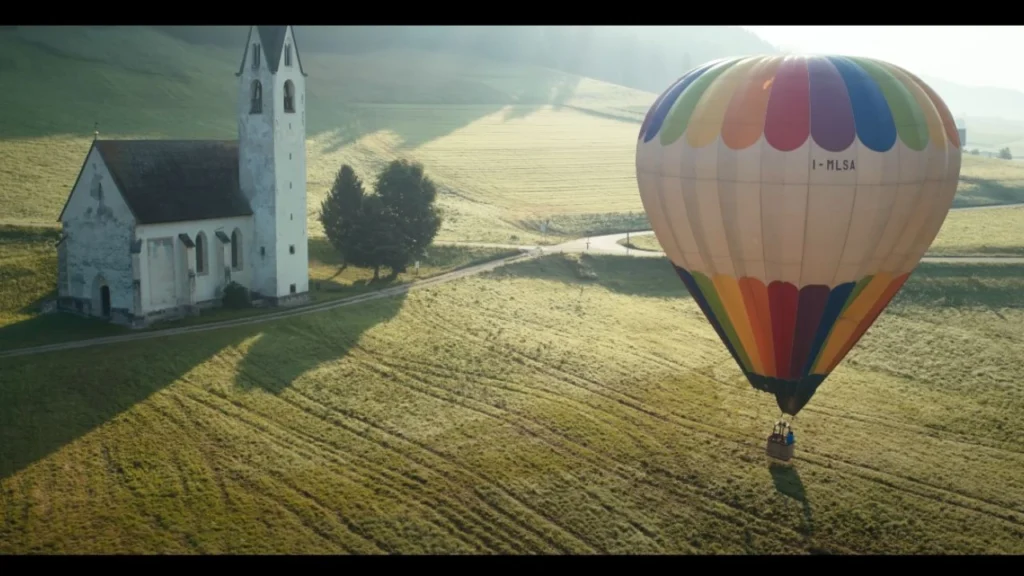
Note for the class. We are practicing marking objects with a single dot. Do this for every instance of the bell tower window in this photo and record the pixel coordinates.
(289, 96)
(256, 104)
(255, 56)
(288, 55)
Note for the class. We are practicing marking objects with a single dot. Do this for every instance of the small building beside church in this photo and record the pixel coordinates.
(157, 229)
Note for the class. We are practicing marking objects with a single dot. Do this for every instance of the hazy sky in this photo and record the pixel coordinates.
(971, 55)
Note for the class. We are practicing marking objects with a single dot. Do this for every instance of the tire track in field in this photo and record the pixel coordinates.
(389, 478)
(669, 364)
(638, 405)
(458, 465)
(459, 468)
(436, 471)
(362, 435)
(934, 433)
(573, 450)
(514, 531)
(980, 499)
(284, 437)
(602, 465)
(613, 343)
(180, 399)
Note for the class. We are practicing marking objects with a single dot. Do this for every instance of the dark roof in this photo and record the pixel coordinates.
(176, 180)
(272, 40)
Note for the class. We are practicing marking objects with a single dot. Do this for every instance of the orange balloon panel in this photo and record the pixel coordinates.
(794, 195)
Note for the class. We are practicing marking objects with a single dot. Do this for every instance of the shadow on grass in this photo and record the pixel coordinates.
(48, 401)
(459, 103)
(192, 93)
(787, 482)
(579, 225)
(987, 192)
(955, 285)
(645, 277)
(288, 350)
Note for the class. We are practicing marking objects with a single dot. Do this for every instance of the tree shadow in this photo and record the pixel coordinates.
(644, 277)
(987, 192)
(284, 351)
(552, 89)
(955, 285)
(787, 482)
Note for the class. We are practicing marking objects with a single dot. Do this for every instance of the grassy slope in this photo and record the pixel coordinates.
(503, 141)
(500, 414)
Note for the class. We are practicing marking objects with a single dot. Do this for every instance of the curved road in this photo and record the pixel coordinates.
(607, 244)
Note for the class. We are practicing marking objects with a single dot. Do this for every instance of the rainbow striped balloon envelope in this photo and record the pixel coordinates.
(794, 195)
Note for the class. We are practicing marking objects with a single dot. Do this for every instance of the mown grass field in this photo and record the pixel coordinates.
(523, 411)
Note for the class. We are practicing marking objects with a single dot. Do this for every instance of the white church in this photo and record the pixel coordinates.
(156, 229)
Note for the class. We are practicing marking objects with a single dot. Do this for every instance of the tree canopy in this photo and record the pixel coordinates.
(391, 227)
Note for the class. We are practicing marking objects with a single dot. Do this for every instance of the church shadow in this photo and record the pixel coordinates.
(49, 400)
(787, 482)
(284, 351)
(644, 277)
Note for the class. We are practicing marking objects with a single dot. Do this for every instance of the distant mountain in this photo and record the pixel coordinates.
(979, 101)
(643, 57)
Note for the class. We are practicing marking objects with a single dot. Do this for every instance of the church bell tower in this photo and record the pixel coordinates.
(272, 162)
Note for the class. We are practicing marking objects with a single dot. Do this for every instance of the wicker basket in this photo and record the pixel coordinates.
(779, 450)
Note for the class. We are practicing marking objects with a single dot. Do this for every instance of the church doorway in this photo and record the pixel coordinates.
(105, 300)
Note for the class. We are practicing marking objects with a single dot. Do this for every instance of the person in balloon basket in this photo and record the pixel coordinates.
(790, 438)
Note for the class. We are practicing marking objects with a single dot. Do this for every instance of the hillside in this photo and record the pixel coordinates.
(510, 145)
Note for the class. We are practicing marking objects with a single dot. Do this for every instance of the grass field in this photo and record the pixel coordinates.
(28, 276)
(566, 404)
(510, 146)
(501, 414)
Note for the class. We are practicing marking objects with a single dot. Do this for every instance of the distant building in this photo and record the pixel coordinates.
(963, 136)
(158, 228)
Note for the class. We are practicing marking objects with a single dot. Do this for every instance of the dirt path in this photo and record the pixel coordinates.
(286, 313)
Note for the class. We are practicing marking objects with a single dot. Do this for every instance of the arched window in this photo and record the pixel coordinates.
(256, 106)
(236, 249)
(289, 96)
(200, 253)
(255, 56)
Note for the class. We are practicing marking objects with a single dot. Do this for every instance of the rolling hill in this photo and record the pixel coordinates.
(502, 139)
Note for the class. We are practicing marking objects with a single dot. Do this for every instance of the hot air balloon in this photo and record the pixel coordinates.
(794, 195)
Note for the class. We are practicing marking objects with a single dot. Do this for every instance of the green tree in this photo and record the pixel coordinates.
(340, 211)
(377, 239)
(408, 199)
(1005, 154)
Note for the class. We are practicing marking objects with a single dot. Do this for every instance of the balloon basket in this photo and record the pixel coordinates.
(778, 449)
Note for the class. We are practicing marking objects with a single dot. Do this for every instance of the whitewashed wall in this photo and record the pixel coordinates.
(208, 284)
(99, 227)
